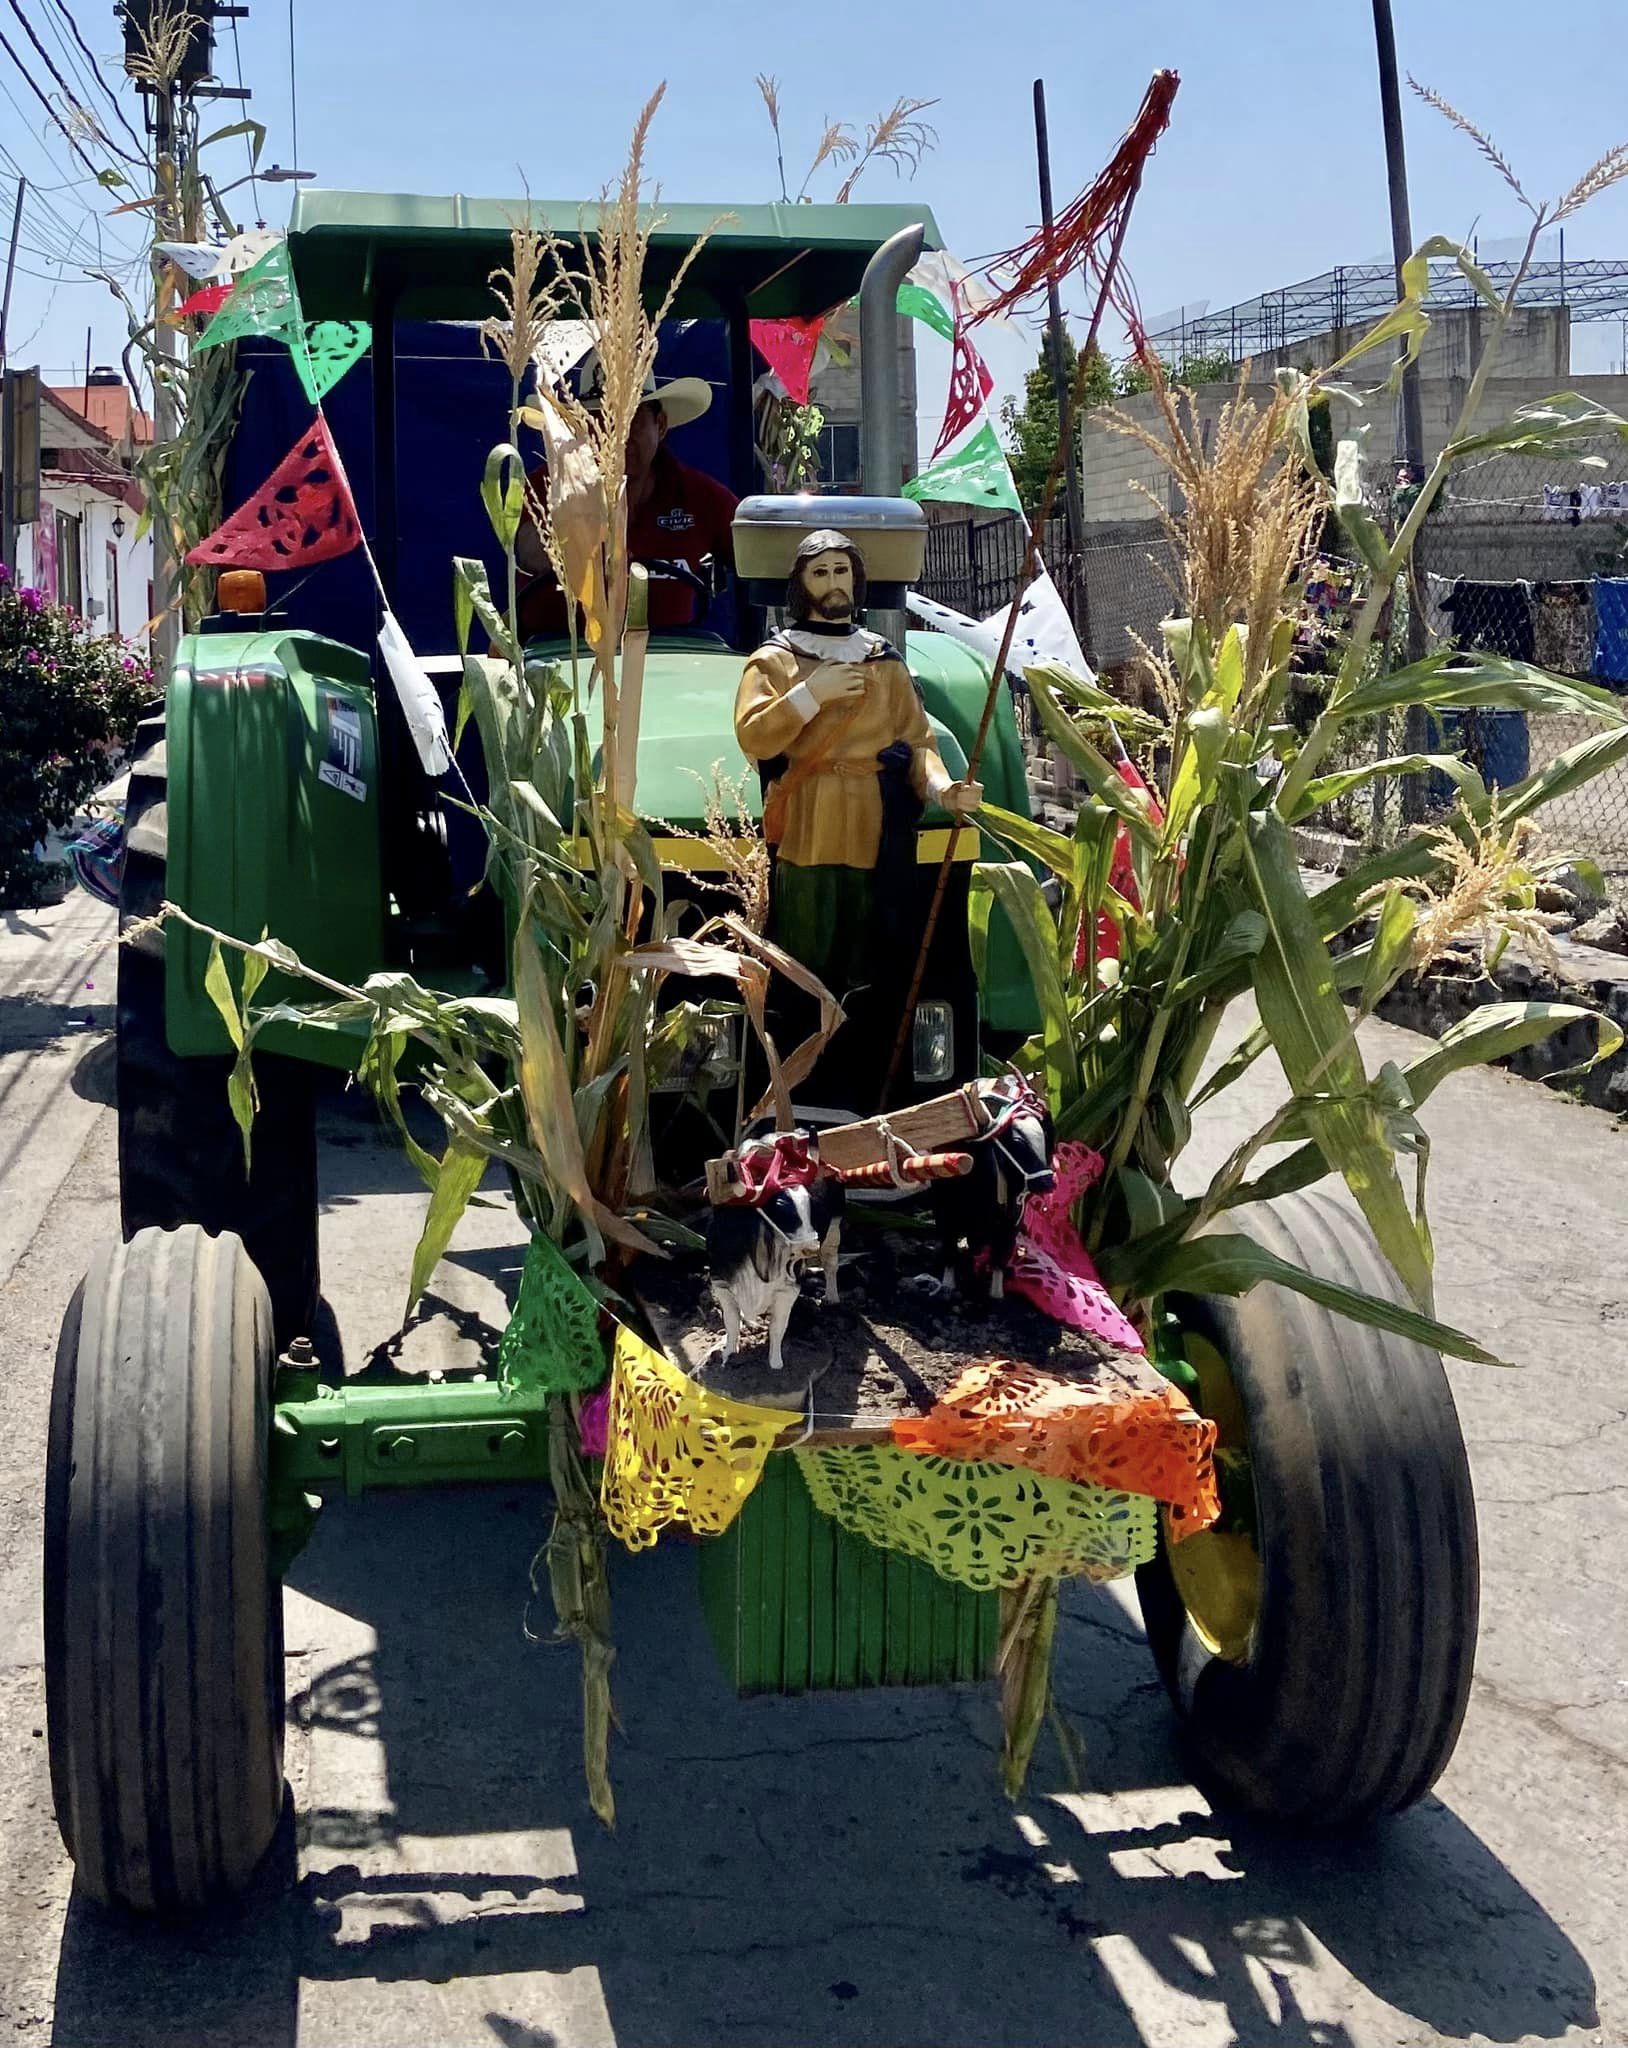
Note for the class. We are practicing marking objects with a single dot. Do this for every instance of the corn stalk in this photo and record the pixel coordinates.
(1210, 905)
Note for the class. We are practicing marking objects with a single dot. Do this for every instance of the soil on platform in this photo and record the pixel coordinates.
(883, 1349)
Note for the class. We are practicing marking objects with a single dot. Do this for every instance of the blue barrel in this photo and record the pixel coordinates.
(1497, 743)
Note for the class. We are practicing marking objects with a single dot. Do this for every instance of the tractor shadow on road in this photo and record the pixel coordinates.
(838, 1869)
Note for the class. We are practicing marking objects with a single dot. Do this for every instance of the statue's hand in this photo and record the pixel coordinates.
(836, 682)
(961, 799)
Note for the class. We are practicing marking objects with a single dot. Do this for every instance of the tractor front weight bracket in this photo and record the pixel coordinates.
(413, 1433)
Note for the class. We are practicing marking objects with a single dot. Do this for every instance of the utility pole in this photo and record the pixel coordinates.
(190, 79)
(8, 405)
(166, 568)
(1411, 466)
(1074, 511)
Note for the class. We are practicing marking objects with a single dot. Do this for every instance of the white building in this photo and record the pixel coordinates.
(83, 551)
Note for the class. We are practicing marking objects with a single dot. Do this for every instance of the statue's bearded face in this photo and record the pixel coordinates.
(828, 582)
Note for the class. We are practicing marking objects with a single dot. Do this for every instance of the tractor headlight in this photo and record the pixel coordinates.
(933, 1042)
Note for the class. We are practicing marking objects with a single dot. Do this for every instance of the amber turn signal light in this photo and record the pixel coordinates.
(240, 590)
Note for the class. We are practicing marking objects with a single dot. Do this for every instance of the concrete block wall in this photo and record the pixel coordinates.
(836, 390)
(1115, 464)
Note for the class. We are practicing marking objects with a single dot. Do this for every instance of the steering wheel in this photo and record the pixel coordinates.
(660, 571)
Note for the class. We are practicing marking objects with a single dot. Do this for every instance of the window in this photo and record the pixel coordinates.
(70, 569)
(839, 456)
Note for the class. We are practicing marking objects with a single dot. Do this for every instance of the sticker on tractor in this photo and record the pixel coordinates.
(336, 778)
(339, 770)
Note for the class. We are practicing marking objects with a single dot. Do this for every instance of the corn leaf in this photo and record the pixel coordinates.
(1093, 698)
(1227, 1262)
(1103, 780)
(460, 1172)
(1449, 680)
(1443, 245)
(503, 491)
(1300, 1006)
(1493, 1032)
(244, 1100)
(1546, 426)
(1499, 1029)
(1349, 970)
(1388, 955)
(1406, 319)
(218, 987)
(1024, 836)
(1018, 894)
(472, 599)
(1327, 789)
(1566, 772)
(1207, 730)
(545, 1089)
(377, 1073)
(1355, 517)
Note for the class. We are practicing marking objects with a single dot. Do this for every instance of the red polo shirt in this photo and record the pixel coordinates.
(686, 517)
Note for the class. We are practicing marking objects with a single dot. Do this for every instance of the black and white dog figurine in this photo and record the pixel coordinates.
(757, 1251)
(979, 1213)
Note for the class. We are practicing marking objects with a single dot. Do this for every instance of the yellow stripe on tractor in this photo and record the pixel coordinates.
(707, 857)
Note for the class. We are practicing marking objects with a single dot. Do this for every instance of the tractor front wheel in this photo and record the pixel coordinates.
(1318, 1643)
(163, 1623)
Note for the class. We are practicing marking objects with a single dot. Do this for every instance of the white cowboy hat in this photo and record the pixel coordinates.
(682, 400)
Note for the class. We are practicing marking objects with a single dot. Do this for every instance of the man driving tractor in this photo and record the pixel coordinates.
(674, 514)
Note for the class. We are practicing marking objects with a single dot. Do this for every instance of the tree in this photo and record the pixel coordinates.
(1031, 428)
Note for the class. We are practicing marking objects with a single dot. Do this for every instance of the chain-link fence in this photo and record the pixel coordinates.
(1522, 556)
(1118, 586)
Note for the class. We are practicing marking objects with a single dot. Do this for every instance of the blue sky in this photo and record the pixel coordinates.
(1273, 168)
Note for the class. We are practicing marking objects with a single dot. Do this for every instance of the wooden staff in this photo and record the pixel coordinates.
(1026, 574)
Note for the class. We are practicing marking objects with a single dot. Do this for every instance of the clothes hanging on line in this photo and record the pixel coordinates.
(1493, 618)
(1611, 629)
(1563, 628)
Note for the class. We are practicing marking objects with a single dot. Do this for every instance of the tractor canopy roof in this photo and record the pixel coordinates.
(360, 255)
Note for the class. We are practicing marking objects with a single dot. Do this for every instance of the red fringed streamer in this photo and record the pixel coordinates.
(1087, 221)
(302, 514)
(970, 384)
(204, 303)
(788, 346)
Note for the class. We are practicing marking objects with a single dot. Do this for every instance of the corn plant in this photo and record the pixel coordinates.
(1135, 963)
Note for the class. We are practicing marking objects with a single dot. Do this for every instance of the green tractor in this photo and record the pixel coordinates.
(1317, 1644)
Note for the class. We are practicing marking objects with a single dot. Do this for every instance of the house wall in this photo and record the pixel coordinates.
(95, 511)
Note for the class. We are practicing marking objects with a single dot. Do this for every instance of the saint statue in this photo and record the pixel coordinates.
(834, 720)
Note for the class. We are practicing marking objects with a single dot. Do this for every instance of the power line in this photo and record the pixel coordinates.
(95, 72)
(63, 86)
(29, 81)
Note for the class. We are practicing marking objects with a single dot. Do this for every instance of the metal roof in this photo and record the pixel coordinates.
(355, 252)
(1355, 294)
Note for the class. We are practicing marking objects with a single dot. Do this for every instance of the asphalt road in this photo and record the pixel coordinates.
(839, 1871)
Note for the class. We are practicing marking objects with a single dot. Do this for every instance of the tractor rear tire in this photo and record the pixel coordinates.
(163, 1623)
(180, 1153)
(1342, 1695)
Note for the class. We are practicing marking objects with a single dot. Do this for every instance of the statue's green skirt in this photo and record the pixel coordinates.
(824, 917)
